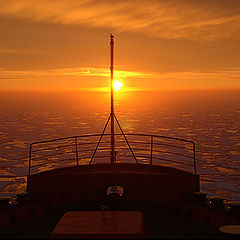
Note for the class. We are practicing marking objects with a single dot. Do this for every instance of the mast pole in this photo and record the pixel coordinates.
(113, 155)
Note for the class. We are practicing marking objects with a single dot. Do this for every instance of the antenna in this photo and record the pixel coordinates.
(112, 116)
(113, 153)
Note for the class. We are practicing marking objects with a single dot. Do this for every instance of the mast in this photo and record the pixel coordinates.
(111, 117)
(113, 154)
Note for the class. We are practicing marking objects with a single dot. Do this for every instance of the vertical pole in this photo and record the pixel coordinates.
(151, 150)
(194, 158)
(29, 167)
(113, 156)
(195, 168)
(30, 159)
(76, 149)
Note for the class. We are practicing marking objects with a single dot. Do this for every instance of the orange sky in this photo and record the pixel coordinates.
(64, 44)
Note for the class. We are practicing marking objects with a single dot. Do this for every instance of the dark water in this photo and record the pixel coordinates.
(210, 118)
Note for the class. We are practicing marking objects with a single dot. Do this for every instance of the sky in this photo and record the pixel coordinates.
(56, 45)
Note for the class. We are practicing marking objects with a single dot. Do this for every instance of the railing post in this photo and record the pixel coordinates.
(76, 147)
(194, 158)
(30, 158)
(151, 150)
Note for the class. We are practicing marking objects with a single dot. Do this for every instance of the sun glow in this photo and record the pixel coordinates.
(117, 85)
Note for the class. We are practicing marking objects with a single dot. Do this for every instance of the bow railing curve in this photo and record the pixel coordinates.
(77, 150)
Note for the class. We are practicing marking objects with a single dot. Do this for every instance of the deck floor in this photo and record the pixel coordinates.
(163, 223)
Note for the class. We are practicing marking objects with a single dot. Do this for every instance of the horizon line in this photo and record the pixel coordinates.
(106, 90)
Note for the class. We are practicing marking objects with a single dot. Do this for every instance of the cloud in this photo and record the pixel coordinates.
(231, 75)
(77, 72)
(99, 72)
(17, 51)
(227, 76)
(173, 19)
(65, 79)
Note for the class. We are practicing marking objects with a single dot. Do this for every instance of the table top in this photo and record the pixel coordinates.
(107, 224)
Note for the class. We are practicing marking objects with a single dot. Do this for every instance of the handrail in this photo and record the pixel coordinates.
(108, 134)
(75, 143)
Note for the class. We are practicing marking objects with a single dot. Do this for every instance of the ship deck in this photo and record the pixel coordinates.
(160, 223)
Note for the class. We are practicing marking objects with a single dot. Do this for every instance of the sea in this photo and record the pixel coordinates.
(210, 118)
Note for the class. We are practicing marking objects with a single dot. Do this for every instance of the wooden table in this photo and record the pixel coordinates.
(231, 229)
(99, 224)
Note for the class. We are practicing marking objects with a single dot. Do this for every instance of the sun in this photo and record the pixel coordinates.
(117, 85)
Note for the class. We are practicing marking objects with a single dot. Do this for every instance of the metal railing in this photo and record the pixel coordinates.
(86, 149)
